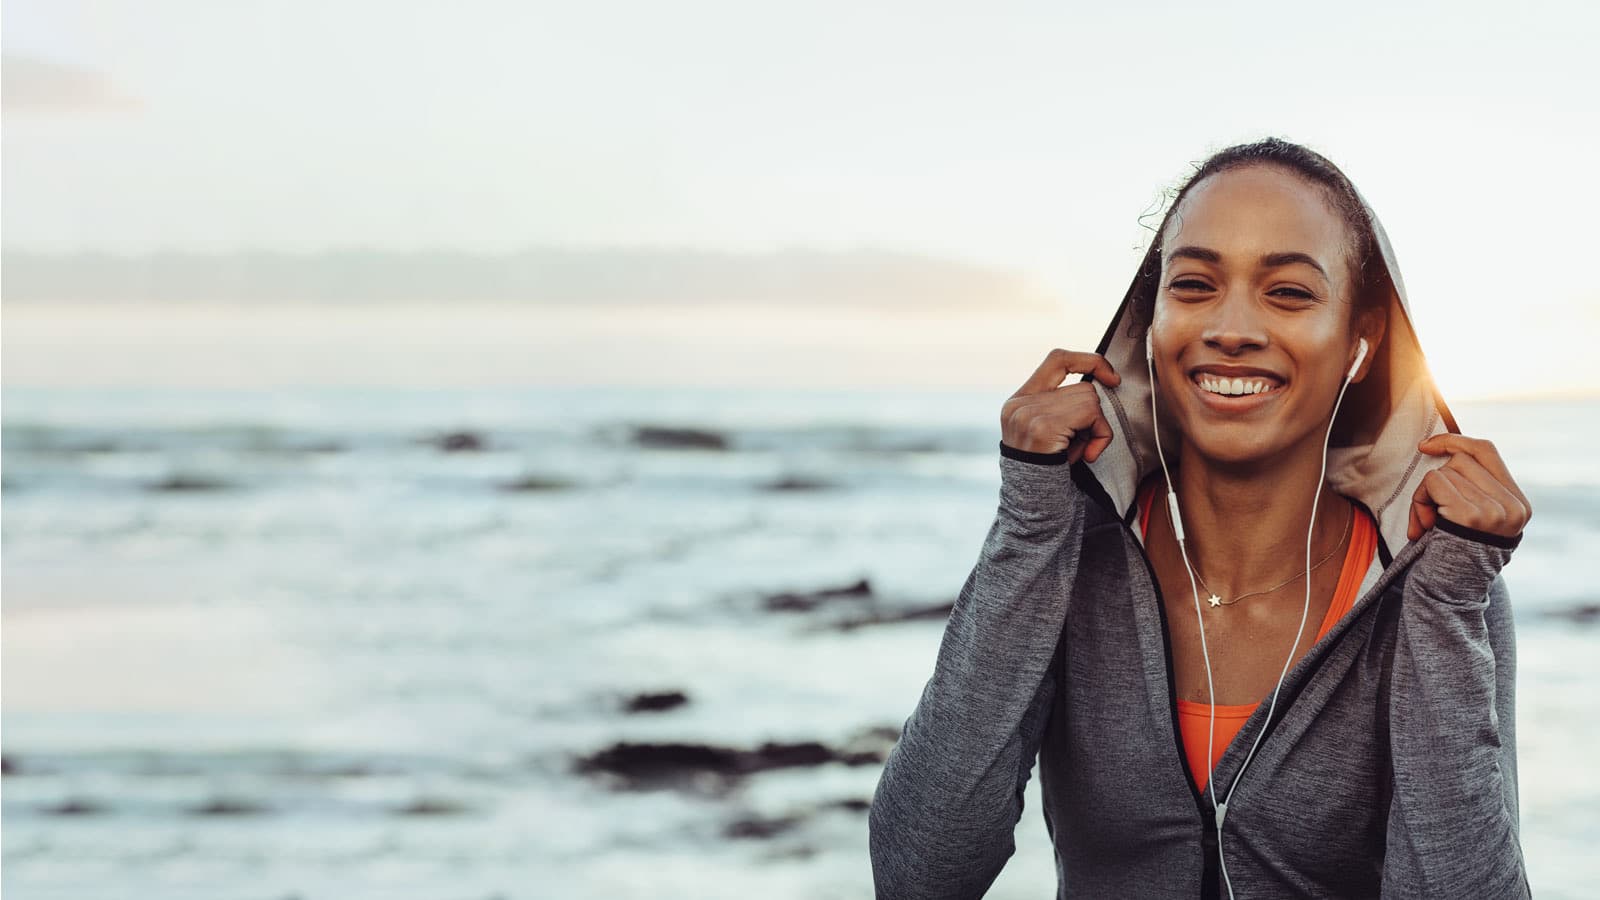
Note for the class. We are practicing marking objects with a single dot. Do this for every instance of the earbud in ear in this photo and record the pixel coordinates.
(1149, 346)
(1361, 354)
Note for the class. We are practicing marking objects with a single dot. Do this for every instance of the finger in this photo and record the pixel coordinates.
(1486, 455)
(1491, 488)
(1077, 448)
(1421, 519)
(1091, 440)
(1100, 437)
(1484, 452)
(1446, 494)
(1058, 364)
(1425, 504)
(1478, 509)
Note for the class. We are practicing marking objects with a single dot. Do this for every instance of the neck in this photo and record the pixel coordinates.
(1245, 525)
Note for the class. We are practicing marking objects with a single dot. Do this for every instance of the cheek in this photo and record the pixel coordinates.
(1173, 326)
(1318, 345)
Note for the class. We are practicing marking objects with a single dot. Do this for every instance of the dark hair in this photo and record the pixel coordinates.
(1368, 277)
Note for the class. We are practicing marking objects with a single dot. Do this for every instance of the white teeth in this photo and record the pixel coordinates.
(1233, 387)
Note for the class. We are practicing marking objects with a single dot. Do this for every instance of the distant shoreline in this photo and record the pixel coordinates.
(413, 344)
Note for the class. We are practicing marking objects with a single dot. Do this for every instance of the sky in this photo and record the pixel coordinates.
(1023, 138)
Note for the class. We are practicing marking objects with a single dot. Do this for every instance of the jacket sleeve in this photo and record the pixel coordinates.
(945, 809)
(1453, 819)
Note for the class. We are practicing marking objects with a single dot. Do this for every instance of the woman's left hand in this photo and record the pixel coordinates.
(1473, 489)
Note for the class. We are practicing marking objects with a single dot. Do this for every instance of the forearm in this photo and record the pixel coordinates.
(946, 806)
(1453, 820)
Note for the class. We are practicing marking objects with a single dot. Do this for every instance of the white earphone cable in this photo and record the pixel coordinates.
(1177, 528)
(1220, 809)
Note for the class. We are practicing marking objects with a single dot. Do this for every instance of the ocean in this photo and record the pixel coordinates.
(560, 642)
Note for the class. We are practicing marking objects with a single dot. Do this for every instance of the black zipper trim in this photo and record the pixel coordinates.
(1385, 555)
(1055, 458)
(1209, 887)
(1211, 873)
(1473, 534)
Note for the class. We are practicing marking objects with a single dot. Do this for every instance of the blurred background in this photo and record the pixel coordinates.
(521, 450)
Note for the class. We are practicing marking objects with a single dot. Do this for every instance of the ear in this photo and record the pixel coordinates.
(1370, 324)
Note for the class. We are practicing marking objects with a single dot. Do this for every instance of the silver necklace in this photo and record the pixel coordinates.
(1215, 600)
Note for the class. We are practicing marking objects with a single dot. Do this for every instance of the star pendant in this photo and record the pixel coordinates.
(1215, 600)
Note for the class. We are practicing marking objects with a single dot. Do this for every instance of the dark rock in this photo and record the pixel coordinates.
(802, 602)
(935, 612)
(188, 483)
(1583, 613)
(772, 755)
(647, 766)
(433, 806)
(662, 438)
(7, 766)
(655, 702)
(228, 806)
(756, 827)
(797, 483)
(646, 760)
(644, 765)
(537, 483)
(74, 806)
(457, 441)
(852, 804)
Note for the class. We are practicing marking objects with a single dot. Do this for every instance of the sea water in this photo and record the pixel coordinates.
(323, 642)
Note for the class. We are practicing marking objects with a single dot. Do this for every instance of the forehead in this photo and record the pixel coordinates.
(1245, 213)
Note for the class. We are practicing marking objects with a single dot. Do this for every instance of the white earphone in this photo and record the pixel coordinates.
(1220, 808)
(1361, 354)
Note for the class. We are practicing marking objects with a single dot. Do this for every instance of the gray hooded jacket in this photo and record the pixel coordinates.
(1389, 767)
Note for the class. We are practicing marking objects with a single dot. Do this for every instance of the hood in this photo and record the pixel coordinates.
(1372, 453)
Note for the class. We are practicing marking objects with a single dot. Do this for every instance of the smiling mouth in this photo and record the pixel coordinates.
(1243, 387)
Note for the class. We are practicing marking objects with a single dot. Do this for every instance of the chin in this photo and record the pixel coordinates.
(1224, 446)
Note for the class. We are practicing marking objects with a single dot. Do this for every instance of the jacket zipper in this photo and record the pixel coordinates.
(1211, 873)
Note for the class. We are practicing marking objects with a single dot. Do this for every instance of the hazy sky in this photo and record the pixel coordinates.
(1025, 136)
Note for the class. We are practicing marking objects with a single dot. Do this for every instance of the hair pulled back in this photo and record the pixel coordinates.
(1367, 278)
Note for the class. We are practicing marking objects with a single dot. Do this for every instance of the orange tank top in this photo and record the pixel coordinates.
(1194, 719)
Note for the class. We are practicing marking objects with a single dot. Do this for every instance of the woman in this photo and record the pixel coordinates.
(1282, 665)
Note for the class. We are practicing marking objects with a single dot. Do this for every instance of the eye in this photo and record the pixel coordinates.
(1294, 293)
(1190, 284)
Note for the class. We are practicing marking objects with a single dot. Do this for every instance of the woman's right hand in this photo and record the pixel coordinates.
(1045, 417)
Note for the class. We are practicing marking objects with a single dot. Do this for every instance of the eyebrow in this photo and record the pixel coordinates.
(1270, 260)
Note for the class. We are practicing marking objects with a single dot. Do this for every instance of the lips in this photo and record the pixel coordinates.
(1235, 388)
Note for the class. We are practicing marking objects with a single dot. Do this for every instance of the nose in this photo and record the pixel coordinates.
(1235, 325)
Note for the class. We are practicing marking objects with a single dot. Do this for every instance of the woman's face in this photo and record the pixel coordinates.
(1252, 327)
